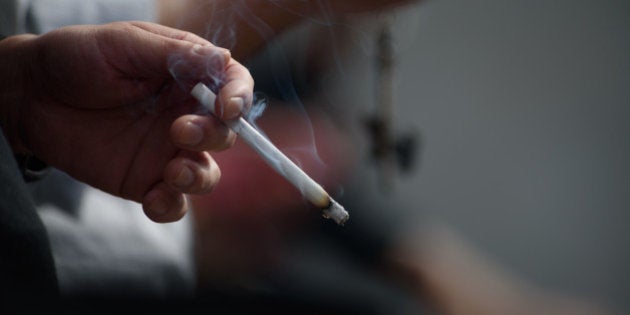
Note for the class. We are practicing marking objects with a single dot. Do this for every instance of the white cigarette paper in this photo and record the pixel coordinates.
(311, 190)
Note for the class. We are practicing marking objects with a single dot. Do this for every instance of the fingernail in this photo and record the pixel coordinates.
(204, 50)
(185, 177)
(192, 134)
(225, 53)
(236, 107)
(221, 55)
(158, 206)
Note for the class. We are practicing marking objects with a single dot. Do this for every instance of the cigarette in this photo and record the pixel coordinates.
(311, 190)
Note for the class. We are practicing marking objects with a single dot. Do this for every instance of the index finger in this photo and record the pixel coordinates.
(236, 93)
(170, 32)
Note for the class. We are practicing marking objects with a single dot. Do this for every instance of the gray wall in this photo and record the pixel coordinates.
(524, 109)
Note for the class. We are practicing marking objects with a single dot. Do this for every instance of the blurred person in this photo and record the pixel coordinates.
(271, 250)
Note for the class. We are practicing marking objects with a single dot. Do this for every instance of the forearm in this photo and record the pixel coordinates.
(15, 63)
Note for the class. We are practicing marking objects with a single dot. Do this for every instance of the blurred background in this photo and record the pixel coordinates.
(521, 113)
(523, 108)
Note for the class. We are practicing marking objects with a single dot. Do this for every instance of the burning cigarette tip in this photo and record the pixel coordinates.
(336, 212)
(310, 189)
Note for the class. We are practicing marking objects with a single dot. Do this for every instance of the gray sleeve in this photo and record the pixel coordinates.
(40, 16)
(9, 18)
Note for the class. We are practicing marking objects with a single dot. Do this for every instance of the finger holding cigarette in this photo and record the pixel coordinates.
(310, 190)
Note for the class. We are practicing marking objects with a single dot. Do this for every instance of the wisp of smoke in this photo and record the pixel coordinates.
(223, 30)
(258, 108)
(223, 26)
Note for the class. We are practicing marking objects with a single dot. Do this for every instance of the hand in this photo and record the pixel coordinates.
(101, 103)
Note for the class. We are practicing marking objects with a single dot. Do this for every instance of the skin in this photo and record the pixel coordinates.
(100, 103)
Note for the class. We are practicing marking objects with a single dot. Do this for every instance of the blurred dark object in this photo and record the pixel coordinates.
(391, 152)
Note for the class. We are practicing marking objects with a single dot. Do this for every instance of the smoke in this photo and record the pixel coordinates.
(232, 23)
(226, 23)
(184, 67)
(258, 108)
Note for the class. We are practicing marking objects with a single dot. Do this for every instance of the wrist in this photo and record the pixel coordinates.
(15, 72)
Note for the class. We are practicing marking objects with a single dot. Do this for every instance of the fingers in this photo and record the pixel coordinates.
(232, 80)
(201, 133)
(189, 173)
(192, 173)
(236, 95)
(156, 52)
(198, 63)
(152, 50)
(169, 32)
(151, 54)
(164, 204)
